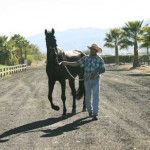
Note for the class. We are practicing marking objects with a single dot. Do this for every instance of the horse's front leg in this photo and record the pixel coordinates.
(73, 90)
(51, 87)
(63, 95)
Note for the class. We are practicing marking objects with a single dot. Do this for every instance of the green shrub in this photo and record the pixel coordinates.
(122, 58)
(13, 61)
(144, 58)
(108, 59)
(30, 58)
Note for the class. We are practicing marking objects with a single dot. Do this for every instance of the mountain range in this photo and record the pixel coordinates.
(78, 38)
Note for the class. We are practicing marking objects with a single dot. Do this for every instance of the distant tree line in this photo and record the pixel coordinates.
(16, 49)
(133, 34)
(123, 59)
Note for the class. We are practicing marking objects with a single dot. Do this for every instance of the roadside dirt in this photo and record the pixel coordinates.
(28, 122)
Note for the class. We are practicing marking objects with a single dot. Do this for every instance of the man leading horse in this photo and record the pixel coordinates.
(93, 67)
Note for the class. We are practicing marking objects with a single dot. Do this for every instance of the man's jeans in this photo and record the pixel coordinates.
(92, 93)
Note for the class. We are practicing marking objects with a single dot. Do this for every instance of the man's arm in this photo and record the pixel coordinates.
(101, 68)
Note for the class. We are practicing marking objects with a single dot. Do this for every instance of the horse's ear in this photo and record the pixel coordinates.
(45, 31)
(53, 31)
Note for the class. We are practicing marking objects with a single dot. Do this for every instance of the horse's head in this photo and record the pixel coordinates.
(51, 46)
(50, 39)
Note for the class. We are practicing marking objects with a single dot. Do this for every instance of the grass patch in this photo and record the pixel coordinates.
(2, 65)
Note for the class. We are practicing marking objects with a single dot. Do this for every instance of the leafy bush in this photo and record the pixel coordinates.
(13, 61)
(30, 58)
(123, 58)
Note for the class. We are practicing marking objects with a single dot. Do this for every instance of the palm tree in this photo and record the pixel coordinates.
(4, 52)
(13, 58)
(35, 52)
(25, 45)
(145, 38)
(132, 31)
(21, 43)
(113, 40)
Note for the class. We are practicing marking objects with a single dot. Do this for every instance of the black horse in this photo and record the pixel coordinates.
(56, 72)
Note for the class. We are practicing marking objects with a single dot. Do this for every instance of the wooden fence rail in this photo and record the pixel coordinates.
(12, 69)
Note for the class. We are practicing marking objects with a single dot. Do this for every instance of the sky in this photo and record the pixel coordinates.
(31, 17)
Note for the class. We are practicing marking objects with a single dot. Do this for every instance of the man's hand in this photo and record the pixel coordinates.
(94, 74)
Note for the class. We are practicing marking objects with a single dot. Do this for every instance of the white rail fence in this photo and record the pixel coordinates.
(7, 70)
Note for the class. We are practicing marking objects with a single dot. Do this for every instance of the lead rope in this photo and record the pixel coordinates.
(72, 75)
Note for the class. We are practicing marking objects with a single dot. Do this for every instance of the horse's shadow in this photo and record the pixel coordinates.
(66, 128)
(138, 74)
(31, 127)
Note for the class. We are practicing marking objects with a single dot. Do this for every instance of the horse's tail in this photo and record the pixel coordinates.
(81, 90)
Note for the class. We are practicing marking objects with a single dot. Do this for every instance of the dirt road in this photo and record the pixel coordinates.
(28, 123)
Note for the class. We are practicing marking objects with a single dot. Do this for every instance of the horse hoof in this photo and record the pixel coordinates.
(56, 108)
(64, 114)
(84, 110)
(73, 112)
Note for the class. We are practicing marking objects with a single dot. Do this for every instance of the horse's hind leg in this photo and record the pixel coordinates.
(51, 87)
(84, 105)
(63, 96)
(73, 90)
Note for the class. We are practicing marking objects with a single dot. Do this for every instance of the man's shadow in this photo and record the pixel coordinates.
(36, 125)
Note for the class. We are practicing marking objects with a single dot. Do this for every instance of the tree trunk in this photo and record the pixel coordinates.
(136, 55)
(25, 56)
(116, 55)
(147, 52)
